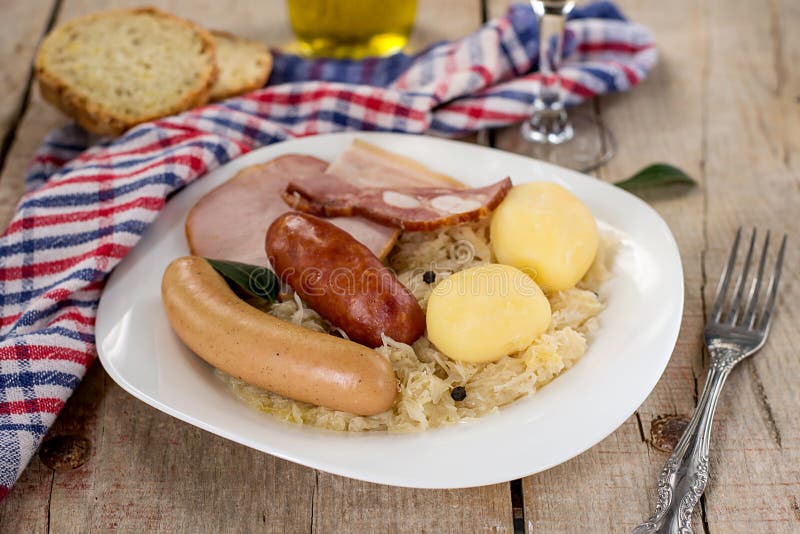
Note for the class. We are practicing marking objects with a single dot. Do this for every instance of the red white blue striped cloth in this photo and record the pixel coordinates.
(89, 200)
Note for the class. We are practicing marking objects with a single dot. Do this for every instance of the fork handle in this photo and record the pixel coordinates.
(683, 478)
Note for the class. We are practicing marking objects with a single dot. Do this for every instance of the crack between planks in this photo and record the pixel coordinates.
(777, 48)
(763, 401)
(101, 441)
(705, 76)
(704, 516)
(314, 499)
(517, 505)
(602, 131)
(597, 113)
(776, 31)
(22, 107)
(641, 427)
(50, 499)
(642, 435)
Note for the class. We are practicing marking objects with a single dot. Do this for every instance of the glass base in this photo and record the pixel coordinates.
(530, 133)
(586, 146)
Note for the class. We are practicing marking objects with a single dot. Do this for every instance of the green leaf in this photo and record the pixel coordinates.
(252, 279)
(656, 174)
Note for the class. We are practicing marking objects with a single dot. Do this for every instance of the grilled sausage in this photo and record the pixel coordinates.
(342, 280)
(270, 353)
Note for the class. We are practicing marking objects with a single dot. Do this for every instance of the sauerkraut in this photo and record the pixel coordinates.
(426, 376)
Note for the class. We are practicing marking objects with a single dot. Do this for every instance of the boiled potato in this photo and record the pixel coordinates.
(547, 232)
(485, 312)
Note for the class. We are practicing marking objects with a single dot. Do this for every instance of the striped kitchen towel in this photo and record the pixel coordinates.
(89, 200)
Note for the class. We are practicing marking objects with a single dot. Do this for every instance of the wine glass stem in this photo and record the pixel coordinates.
(549, 123)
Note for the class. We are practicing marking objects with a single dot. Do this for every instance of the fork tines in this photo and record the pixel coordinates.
(738, 311)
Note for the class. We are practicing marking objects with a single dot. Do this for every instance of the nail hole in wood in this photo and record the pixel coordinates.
(666, 430)
(64, 453)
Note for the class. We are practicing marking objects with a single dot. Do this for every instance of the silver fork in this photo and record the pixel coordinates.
(735, 330)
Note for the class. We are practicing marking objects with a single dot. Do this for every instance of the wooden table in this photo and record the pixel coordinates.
(723, 104)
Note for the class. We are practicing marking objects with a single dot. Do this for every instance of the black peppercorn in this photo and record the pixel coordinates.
(429, 277)
(458, 393)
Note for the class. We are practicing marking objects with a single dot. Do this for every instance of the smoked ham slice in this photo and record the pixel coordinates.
(408, 208)
(230, 222)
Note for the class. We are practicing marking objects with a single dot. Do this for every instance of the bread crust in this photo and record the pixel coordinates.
(257, 83)
(99, 118)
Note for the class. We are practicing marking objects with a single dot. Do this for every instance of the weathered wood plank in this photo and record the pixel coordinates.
(612, 486)
(344, 505)
(752, 180)
(17, 45)
(147, 469)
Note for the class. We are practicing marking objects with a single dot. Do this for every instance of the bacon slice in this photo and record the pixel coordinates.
(408, 208)
(390, 189)
(231, 221)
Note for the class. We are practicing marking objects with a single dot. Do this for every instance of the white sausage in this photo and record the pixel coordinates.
(267, 352)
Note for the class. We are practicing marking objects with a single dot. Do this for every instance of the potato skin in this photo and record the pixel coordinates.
(547, 232)
(342, 280)
(485, 312)
(270, 353)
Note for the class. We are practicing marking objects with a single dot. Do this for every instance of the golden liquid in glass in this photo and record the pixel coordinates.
(351, 28)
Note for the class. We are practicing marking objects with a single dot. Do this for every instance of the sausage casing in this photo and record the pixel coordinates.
(342, 280)
(267, 352)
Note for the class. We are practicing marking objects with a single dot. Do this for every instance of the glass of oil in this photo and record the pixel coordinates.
(351, 28)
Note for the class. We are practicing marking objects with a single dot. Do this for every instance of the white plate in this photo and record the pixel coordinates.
(575, 411)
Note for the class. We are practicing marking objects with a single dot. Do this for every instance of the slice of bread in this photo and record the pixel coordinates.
(244, 65)
(110, 71)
